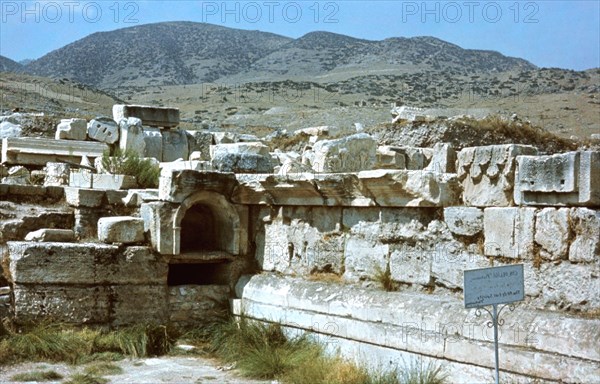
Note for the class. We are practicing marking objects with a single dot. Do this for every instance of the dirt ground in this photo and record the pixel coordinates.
(168, 369)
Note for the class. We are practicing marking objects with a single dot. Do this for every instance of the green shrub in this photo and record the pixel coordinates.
(129, 163)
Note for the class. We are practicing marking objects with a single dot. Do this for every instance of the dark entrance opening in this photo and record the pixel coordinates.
(198, 230)
(198, 274)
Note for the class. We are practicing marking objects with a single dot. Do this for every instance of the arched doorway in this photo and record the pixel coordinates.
(198, 230)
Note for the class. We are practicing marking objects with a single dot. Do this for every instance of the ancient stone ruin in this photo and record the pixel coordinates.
(305, 240)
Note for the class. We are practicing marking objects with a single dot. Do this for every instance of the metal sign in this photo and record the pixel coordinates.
(496, 285)
(493, 286)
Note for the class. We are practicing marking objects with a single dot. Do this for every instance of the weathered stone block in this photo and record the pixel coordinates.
(192, 304)
(410, 188)
(562, 179)
(121, 229)
(103, 129)
(349, 154)
(51, 235)
(509, 232)
(71, 129)
(39, 151)
(389, 159)
(464, 221)
(242, 158)
(552, 233)
(89, 264)
(8, 129)
(175, 145)
(153, 142)
(411, 265)
(132, 303)
(200, 141)
(81, 305)
(58, 263)
(569, 286)
(131, 136)
(57, 174)
(585, 225)
(487, 173)
(192, 165)
(364, 258)
(151, 116)
(101, 181)
(443, 159)
(80, 197)
(158, 222)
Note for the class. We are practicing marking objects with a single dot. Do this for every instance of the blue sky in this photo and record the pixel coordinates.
(563, 34)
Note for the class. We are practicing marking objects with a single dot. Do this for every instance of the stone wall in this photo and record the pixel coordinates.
(387, 329)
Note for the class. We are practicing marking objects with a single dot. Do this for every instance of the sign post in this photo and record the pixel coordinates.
(493, 286)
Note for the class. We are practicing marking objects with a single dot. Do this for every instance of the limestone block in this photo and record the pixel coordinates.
(8, 129)
(192, 165)
(443, 159)
(411, 188)
(349, 154)
(411, 265)
(552, 233)
(200, 141)
(58, 263)
(80, 197)
(487, 173)
(563, 179)
(135, 302)
(450, 261)
(585, 224)
(509, 232)
(68, 304)
(242, 158)
(196, 304)
(153, 142)
(569, 286)
(181, 184)
(300, 248)
(408, 113)
(102, 181)
(151, 116)
(131, 136)
(103, 129)
(225, 137)
(175, 145)
(364, 258)
(51, 235)
(464, 221)
(389, 159)
(17, 175)
(158, 222)
(121, 229)
(39, 151)
(71, 129)
(414, 158)
(57, 174)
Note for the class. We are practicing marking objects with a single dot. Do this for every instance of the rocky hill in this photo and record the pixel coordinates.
(186, 53)
(157, 54)
(8, 65)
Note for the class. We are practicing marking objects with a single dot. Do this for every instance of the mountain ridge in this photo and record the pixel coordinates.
(184, 52)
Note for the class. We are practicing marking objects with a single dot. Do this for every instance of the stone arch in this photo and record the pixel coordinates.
(218, 213)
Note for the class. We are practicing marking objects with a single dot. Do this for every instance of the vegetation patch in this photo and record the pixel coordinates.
(130, 163)
(263, 351)
(37, 376)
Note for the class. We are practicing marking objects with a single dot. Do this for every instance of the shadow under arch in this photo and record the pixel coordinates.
(213, 224)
